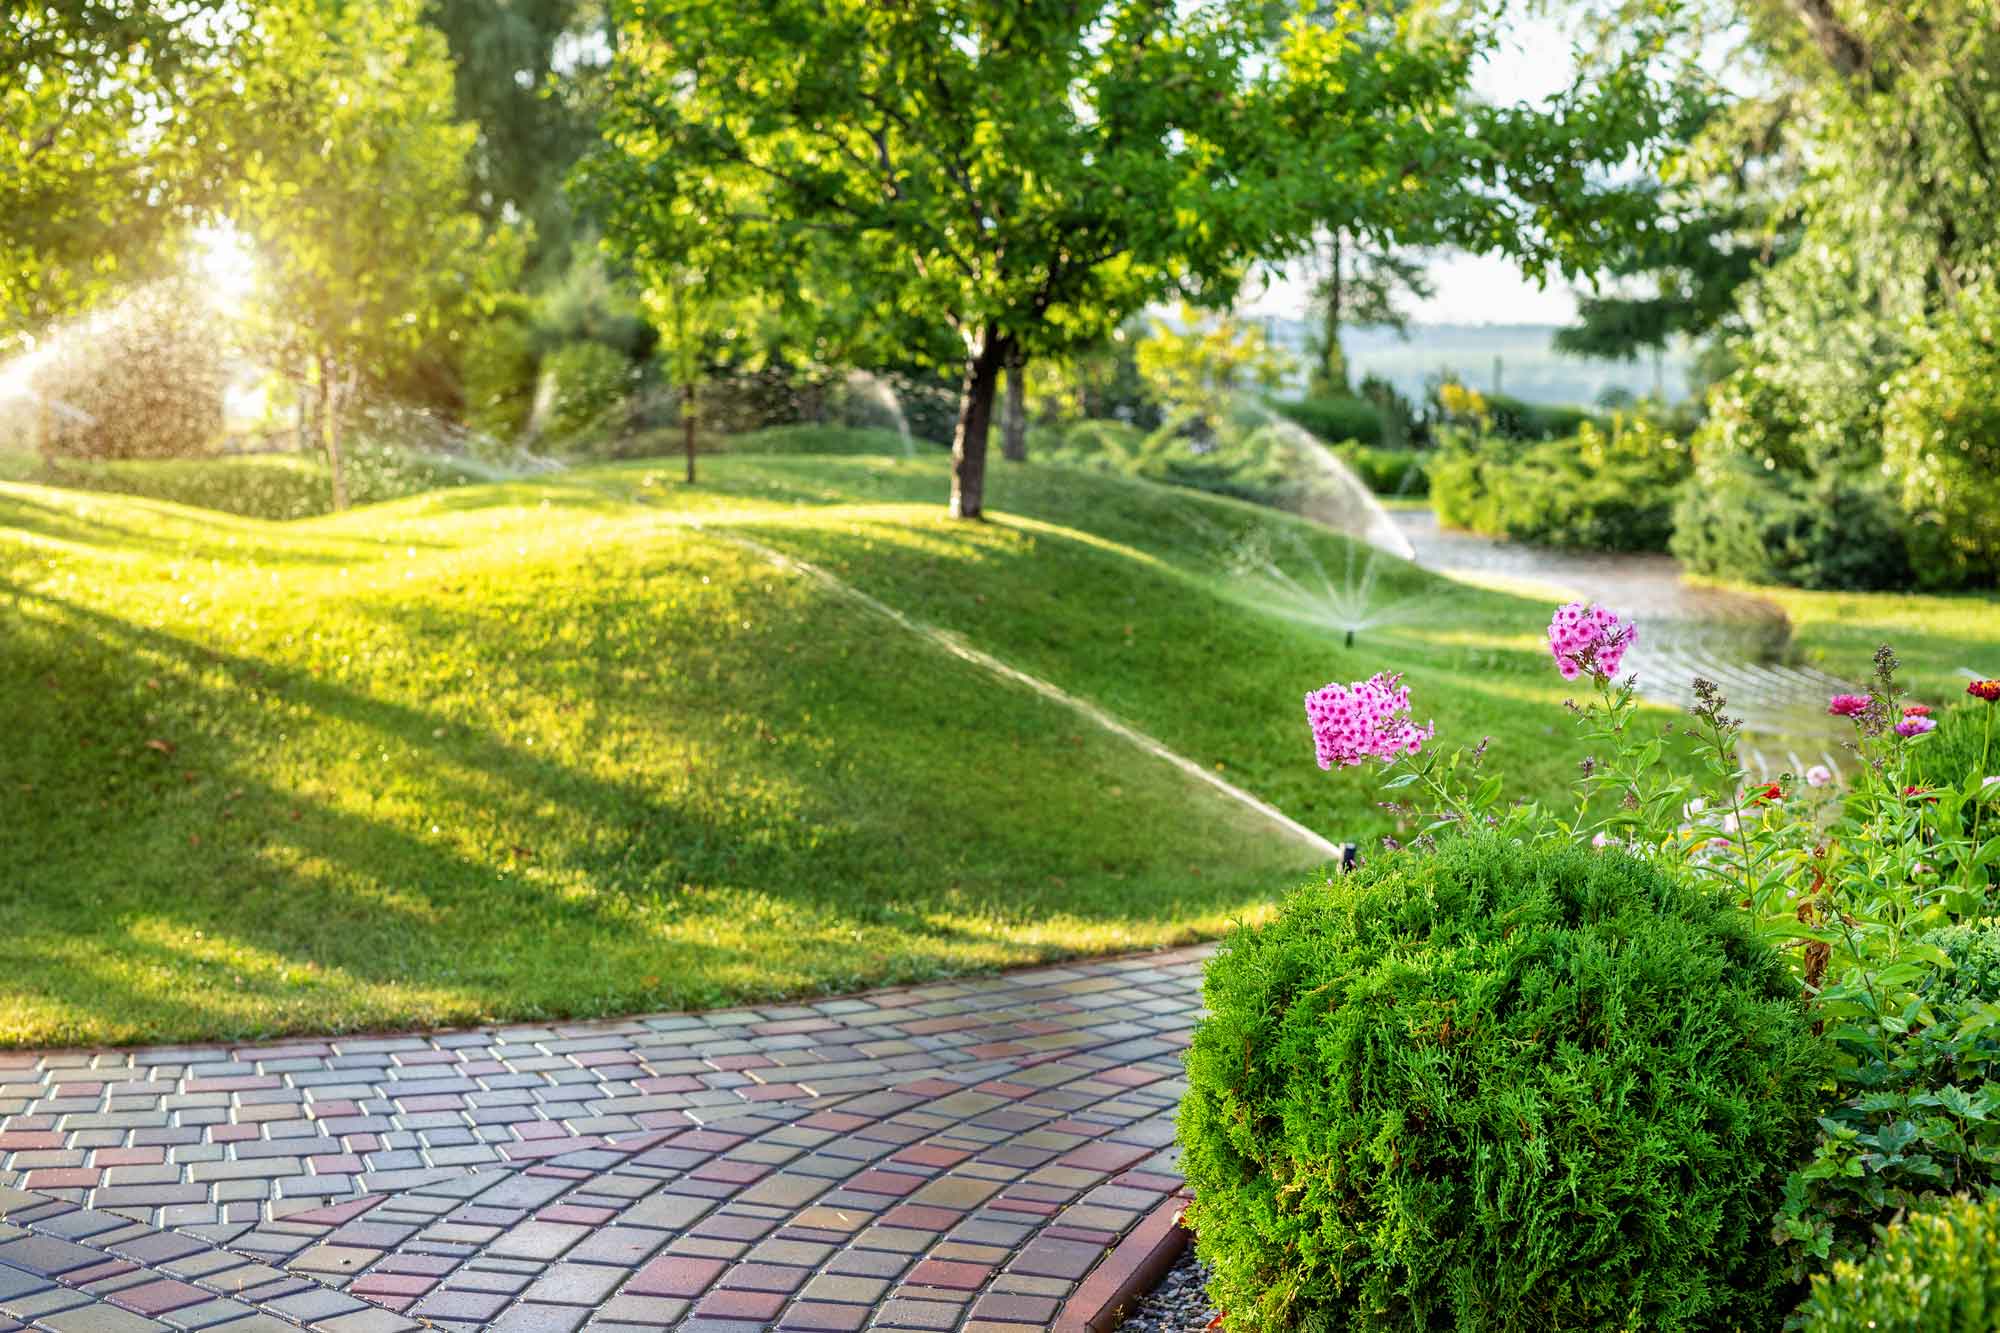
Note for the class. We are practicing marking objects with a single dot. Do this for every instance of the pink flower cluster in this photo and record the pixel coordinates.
(1586, 637)
(1847, 705)
(1369, 719)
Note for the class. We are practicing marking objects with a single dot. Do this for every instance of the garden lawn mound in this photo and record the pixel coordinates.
(565, 747)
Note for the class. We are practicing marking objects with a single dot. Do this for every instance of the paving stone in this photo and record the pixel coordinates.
(894, 1158)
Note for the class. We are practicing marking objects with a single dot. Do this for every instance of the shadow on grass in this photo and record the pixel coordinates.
(633, 804)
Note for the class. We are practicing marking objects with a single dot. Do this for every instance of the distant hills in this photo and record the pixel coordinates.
(1522, 357)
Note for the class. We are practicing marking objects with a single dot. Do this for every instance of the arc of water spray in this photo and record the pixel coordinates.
(1055, 694)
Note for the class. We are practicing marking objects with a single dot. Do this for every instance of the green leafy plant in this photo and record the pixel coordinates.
(1941, 439)
(1744, 522)
(1497, 1086)
(1936, 1271)
(1595, 489)
(1334, 418)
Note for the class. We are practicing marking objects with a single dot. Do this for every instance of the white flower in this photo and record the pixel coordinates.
(1694, 808)
(1819, 775)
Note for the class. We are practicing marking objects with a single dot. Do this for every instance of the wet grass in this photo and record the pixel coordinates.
(552, 774)
(563, 748)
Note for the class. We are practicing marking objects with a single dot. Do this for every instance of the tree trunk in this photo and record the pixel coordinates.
(1014, 424)
(1333, 358)
(687, 426)
(1840, 45)
(975, 419)
(329, 423)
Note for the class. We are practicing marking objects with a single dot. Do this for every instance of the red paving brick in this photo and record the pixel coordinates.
(675, 1275)
(646, 1186)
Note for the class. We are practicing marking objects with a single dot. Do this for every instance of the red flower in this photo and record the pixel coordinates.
(1989, 690)
(1770, 791)
(1924, 792)
(1916, 710)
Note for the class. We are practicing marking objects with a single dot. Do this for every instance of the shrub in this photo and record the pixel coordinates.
(1497, 1087)
(825, 440)
(1936, 1271)
(1739, 521)
(1960, 747)
(1386, 471)
(1333, 419)
(586, 382)
(1596, 491)
(1941, 439)
(1520, 420)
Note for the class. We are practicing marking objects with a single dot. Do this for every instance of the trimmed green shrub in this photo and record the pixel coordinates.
(825, 440)
(1595, 491)
(1518, 419)
(1386, 471)
(587, 382)
(1936, 1271)
(1334, 419)
(1941, 439)
(1738, 521)
(1497, 1087)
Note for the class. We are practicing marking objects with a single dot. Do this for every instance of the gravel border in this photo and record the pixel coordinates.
(1178, 1305)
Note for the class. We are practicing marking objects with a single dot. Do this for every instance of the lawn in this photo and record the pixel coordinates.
(566, 747)
(1941, 640)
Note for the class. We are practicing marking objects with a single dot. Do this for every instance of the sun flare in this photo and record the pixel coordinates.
(225, 261)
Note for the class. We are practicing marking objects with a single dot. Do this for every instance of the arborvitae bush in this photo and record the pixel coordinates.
(1936, 1271)
(1497, 1088)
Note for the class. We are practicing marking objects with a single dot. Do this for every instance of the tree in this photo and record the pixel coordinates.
(1198, 364)
(702, 327)
(1028, 174)
(526, 74)
(119, 125)
(1361, 288)
(356, 197)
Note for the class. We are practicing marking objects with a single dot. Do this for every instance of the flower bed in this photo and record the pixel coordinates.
(1649, 1056)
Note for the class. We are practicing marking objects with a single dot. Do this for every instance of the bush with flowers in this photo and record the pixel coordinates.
(1873, 896)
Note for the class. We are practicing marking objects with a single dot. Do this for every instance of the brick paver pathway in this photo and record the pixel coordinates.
(949, 1156)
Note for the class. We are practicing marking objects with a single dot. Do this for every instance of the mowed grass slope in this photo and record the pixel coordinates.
(563, 747)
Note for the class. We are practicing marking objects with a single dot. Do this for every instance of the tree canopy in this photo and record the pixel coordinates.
(118, 134)
(1031, 174)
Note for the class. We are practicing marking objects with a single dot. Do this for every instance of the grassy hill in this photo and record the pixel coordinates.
(567, 747)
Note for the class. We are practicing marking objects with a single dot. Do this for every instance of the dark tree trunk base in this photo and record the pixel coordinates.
(975, 423)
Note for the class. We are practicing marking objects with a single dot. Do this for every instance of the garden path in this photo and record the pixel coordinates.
(1685, 630)
(952, 1156)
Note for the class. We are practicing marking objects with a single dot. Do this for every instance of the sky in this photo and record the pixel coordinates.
(1534, 62)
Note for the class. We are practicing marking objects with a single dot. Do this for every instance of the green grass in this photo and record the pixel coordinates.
(273, 486)
(563, 748)
(1938, 638)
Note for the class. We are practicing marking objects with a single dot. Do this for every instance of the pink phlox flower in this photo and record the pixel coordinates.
(1369, 719)
(1586, 637)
